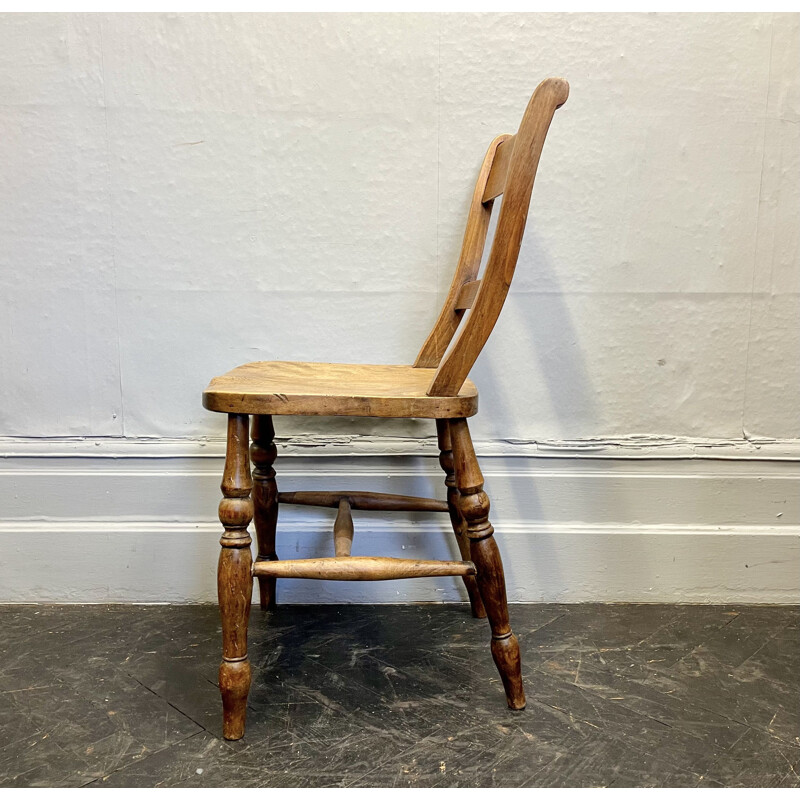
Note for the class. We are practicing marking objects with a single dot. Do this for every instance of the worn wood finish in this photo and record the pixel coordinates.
(343, 530)
(496, 182)
(362, 568)
(435, 387)
(524, 160)
(466, 295)
(316, 389)
(456, 519)
(474, 506)
(234, 581)
(363, 501)
(265, 500)
(469, 262)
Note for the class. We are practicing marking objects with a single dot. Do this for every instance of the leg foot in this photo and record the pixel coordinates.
(505, 653)
(234, 683)
(474, 507)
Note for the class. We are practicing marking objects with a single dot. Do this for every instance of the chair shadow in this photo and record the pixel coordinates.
(545, 335)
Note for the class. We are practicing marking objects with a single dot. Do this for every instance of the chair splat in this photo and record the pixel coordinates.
(496, 183)
(466, 295)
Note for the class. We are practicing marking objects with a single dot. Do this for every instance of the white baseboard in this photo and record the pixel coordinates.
(133, 520)
(107, 561)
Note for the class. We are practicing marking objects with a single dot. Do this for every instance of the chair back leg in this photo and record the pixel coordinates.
(265, 501)
(474, 506)
(458, 522)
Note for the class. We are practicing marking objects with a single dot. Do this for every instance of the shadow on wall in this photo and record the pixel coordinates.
(545, 335)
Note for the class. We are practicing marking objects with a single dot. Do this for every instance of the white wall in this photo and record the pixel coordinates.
(183, 193)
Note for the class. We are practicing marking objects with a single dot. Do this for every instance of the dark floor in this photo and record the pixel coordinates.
(623, 695)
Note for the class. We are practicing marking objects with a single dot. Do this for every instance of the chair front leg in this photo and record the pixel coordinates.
(234, 578)
(474, 506)
(265, 499)
(456, 519)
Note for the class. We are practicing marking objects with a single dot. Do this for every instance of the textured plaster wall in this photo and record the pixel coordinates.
(183, 193)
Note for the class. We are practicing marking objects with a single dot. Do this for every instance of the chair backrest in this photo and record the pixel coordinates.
(509, 168)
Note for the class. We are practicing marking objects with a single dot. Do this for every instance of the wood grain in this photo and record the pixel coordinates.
(496, 182)
(319, 389)
(234, 579)
(466, 295)
(469, 263)
(456, 519)
(473, 503)
(343, 530)
(265, 501)
(362, 568)
(363, 501)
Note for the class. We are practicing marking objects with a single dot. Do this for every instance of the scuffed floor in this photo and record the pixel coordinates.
(623, 695)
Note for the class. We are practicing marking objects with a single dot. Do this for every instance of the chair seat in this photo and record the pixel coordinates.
(314, 389)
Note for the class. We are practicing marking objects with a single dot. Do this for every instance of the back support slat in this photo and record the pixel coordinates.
(466, 295)
(497, 177)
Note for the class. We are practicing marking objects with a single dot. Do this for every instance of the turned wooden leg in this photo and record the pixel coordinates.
(457, 520)
(474, 506)
(234, 578)
(265, 500)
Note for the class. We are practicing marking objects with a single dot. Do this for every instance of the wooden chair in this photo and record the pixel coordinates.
(435, 387)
